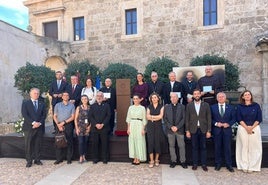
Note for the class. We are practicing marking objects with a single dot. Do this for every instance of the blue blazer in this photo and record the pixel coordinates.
(228, 117)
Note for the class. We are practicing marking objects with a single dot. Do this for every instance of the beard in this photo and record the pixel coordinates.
(196, 98)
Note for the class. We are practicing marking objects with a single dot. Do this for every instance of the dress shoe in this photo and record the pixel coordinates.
(217, 168)
(58, 162)
(230, 168)
(184, 165)
(95, 162)
(69, 162)
(205, 168)
(194, 167)
(28, 165)
(105, 162)
(172, 165)
(38, 163)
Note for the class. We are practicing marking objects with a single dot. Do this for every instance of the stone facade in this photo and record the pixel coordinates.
(165, 28)
(18, 47)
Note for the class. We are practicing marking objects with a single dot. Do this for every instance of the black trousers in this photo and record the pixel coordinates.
(33, 139)
(111, 122)
(69, 128)
(100, 138)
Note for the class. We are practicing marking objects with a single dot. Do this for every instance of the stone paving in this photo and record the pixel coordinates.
(13, 171)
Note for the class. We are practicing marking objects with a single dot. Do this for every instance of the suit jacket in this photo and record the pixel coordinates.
(76, 95)
(177, 87)
(30, 115)
(111, 101)
(99, 114)
(155, 87)
(192, 118)
(228, 117)
(180, 118)
(54, 90)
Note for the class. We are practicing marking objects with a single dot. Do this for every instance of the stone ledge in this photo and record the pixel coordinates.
(6, 128)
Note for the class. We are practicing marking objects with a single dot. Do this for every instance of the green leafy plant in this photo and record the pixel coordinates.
(120, 71)
(30, 76)
(84, 69)
(162, 66)
(232, 82)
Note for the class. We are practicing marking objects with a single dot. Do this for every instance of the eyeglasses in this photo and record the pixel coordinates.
(153, 76)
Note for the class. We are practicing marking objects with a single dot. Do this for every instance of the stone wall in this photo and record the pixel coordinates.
(166, 28)
(18, 47)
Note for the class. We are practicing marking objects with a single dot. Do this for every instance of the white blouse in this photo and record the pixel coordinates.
(90, 94)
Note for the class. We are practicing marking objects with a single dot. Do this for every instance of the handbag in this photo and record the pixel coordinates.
(60, 140)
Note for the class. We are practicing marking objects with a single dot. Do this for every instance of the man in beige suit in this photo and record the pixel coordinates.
(198, 128)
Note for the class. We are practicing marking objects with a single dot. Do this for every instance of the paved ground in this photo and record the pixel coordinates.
(13, 171)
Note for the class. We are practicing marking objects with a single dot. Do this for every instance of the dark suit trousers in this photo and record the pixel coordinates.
(199, 142)
(222, 143)
(97, 137)
(69, 128)
(33, 140)
(112, 122)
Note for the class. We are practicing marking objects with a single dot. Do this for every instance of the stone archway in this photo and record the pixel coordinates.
(56, 63)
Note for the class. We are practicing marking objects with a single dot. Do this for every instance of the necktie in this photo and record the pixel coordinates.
(35, 105)
(221, 111)
(73, 89)
(58, 84)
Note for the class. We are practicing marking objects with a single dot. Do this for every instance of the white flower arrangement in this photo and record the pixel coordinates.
(18, 125)
(234, 129)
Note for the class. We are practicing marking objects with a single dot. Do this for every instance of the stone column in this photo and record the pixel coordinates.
(262, 47)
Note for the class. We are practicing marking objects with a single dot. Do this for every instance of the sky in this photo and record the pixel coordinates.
(15, 13)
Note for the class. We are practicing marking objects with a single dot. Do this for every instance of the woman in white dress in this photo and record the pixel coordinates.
(90, 91)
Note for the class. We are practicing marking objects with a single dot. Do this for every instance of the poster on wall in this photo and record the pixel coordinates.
(199, 71)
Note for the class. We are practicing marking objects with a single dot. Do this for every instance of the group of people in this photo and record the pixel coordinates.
(195, 109)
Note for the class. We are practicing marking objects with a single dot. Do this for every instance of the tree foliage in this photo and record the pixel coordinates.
(232, 81)
(162, 66)
(120, 71)
(84, 68)
(30, 76)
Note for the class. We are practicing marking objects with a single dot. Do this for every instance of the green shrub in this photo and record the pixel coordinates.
(30, 76)
(84, 68)
(162, 66)
(232, 82)
(120, 71)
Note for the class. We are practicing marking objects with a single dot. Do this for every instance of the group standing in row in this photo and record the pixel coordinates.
(183, 112)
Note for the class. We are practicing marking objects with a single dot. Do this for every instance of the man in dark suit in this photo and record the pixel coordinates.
(99, 118)
(155, 85)
(198, 128)
(57, 87)
(189, 85)
(74, 90)
(110, 98)
(223, 117)
(173, 86)
(174, 118)
(34, 114)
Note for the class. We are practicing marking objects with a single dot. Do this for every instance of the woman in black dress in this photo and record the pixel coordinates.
(155, 112)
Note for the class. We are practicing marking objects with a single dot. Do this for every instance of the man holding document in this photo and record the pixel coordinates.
(209, 85)
(109, 94)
